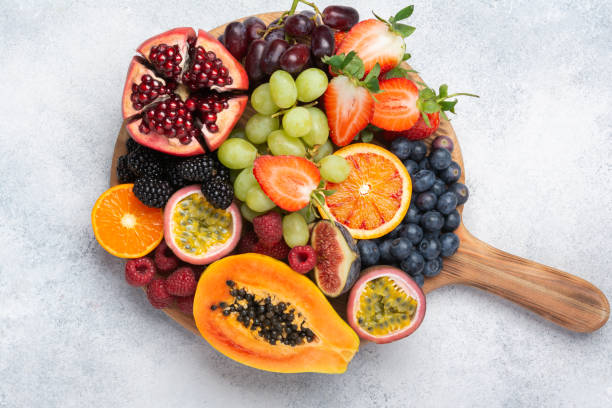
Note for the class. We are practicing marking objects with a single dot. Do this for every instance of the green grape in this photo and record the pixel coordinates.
(319, 131)
(279, 144)
(259, 126)
(295, 230)
(308, 214)
(297, 122)
(311, 84)
(238, 133)
(258, 201)
(247, 213)
(236, 153)
(335, 168)
(261, 100)
(243, 183)
(283, 89)
(324, 150)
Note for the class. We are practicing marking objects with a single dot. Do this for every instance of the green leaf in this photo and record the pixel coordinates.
(397, 72)
(404, 13)
(347, 59)
(448, 106)
(403, 29)
(426, 119)
(427, 93)
(321, 184)
(430, 107)
(380, 18)
(443, 92)
(406, 57)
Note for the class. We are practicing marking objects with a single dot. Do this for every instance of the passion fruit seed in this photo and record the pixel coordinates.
(272, 321)
(384, 307)
(198, 225)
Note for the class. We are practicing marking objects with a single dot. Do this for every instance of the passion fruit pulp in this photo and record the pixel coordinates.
(385, 305)
(197, 232)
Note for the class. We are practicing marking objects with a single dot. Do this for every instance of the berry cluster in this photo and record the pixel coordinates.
(266, 237)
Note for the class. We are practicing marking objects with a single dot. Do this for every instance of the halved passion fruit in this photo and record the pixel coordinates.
(385, 305)
(197, 232)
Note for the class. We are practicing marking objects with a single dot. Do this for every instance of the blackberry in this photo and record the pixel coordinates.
(145, 163)
(220, 169)
(152, 192)
(218, 192)
(131, 145)
(197, 168)
(124, 174)
(172, 175)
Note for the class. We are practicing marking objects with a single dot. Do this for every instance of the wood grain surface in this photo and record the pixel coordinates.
(564, 299)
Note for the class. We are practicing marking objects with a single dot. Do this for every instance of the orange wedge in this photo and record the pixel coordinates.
(375, 196)
(123, 225)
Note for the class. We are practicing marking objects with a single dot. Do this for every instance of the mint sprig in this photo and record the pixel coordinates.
(394, 22)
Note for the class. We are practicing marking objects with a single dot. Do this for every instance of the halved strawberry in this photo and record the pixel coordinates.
(287, 180)
(338, 38)
(396, 106)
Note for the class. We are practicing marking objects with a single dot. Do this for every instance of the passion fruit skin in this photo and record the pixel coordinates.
(216, 252)
(402, 280)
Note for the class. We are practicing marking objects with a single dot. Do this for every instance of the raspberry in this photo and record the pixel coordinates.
(302, 258)
(247, 242)
(139, 272)
(269, 228)
(164, 258)
(157, 294)
(185, 304)
(278, 250)
(182, 282)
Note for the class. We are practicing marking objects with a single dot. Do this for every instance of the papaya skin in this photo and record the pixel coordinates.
(335, 342)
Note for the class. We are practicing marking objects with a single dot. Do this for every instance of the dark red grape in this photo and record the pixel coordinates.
(236, 39)
(254, 28)
(294, 58)
(252, 62)
(221, 39)
(340, 17)
(278, 34)
(298, 25)
(322, 42)
(271, 55)
(308, 13)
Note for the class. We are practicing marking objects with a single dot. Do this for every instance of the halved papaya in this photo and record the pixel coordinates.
(258, 311)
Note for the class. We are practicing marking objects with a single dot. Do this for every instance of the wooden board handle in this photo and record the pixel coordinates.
(562, 298)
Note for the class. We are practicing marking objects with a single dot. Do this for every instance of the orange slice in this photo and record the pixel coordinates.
(123, 225)
(375, 196)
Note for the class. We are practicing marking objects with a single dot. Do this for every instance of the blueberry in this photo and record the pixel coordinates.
(424, 164)
(452, 221)
(461, 191)
(432, 221)
(413, 216)
(443, 142)
(447, 202)
(423, 180)
(400, 248)
(412, 232)
(413, 264)
(419, 279)
(411, 166)
(401, 148)
(395, 232)
(368, 250)
(419, 150)
(440, 159)
(426, 201)
(385, 253)
(432, 267)
(450, 174)
(430, 248)
(450, 243)
(438, 187)
(432, 235)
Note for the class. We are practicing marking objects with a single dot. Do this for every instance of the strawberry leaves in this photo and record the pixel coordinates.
(394, 22)
(351, 66)
(429, 102)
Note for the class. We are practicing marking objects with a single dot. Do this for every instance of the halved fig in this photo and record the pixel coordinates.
(338, 262)
(385, 305)
(171, 99)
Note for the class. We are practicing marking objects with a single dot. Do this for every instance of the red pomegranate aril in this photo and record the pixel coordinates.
(210, 118)
(190, 105)
(166, 60)
(212, 127)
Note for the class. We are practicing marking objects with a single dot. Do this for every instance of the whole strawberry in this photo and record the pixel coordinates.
(182, 282)
(158, 294)
(268, 228)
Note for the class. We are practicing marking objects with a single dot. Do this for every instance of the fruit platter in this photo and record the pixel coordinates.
(287, 186)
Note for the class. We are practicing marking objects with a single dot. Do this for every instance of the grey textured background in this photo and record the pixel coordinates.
(537, 148)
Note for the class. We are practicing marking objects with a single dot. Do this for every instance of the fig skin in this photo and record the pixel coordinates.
(348, 272)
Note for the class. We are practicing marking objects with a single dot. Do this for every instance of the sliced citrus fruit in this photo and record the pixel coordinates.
(374, 197)
(123, 225)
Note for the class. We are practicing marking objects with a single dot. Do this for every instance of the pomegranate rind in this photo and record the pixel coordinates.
(162, 143)
(236, 70)
(135, 73)
(401, 279)
(215, 252)
(226, 120)
(179, 36)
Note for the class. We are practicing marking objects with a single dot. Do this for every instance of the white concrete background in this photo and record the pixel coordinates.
(537, 147)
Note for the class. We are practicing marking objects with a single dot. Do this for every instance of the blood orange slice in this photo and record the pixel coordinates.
(375, 196)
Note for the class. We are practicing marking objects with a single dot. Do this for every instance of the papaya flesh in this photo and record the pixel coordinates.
(258, 311)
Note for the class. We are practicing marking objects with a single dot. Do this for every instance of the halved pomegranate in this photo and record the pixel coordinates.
(171, 97)
(385, 305)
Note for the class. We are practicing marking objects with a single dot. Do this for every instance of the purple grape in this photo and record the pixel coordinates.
(340, 17)
(252, 62)
(236, 39)
(308, 13)
(322, 42)
(271, 55)
(278, 34)
(221, 39)
(294, 58)
(298, 25)
(254, 28)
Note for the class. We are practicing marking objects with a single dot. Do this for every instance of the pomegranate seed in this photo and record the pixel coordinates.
(166, 59)
(212, 127)
(185, 140)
